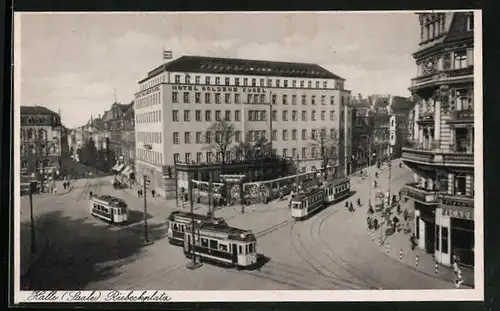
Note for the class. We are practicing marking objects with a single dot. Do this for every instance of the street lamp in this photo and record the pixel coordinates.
(32, 189)
(146, 182)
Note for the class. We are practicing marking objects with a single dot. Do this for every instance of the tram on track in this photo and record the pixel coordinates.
(221, 244)
(108, 208)
(305, 203)
(179, 220)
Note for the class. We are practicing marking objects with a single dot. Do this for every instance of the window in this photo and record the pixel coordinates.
(236, 98)
(304, 100)
(250, 135)
(294, 115)
(323, 100)
(187, 137)
(177, 79)
(175, 97)
(332, 133)
(277, 82)
(269, 82)
(208, 157)
(250, 115)
(313, 115)
(274, 135)
(217, 115)
(227, 115)
(294, 134)
(187, 78)
(208, 137)
(274, 99)
(237, 81)
(313, 100)
(207, 80)
(284, 100)
(208, 115)
(175, 115)
(325, 84)
(285, 83)
(285, 135)
(207, 98)
(197, 96)
(304, 134)
(237, 136)
(261, 82)
(199, 157)
(274, 115)
(237, 115)
(332, 116)
(198, 138)
(197, 80)
(197, 115)
(256, 98)
(249, 98)
(217, 80)
(254, 82)
(263, 115)
(444, 240)
(284, 115)
(227, 98)
(304, 115)
(227, 80)
(313, 152)
(175, 138)
(313, 134)
(176, 157)
(285, 152)
(460, 59)
(309, 84)
(187, 115)
(262, 98)
(323, 115)
(245, 81)
(217, 98)
(294, 99)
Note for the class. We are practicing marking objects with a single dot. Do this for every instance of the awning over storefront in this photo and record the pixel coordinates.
(115, 167)
(119, 168)
(126, 170)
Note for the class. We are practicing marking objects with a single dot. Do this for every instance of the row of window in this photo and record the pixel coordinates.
(148, 117)
(236, 81)
(251, 98)
(147, 101)
(211, 156)
(253, 115)
(152, 82)
(151, 156)
(149, 137)
(208, 137)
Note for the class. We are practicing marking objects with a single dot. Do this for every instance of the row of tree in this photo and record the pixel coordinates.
(101, 159)
(327, 143)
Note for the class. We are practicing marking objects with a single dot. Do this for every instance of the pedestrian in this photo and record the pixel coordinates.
(400, 165)
(351, 208)
(413, 242)
(346, 204)
(359, 202)
(55, 190)
(153, 193)
(376, 174)
(138, 193)
(90, 194)
(459, 278)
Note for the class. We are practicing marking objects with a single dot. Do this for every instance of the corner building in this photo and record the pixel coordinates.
(286, 102)
(442, 155)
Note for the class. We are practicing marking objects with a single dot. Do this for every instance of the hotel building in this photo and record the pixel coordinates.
(178, 101)
(442, 156)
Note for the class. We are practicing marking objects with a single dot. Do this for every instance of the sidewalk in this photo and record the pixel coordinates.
(28, 259)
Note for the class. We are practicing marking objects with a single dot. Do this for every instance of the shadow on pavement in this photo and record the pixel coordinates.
(135, 216)
(262, 260)
(81, 252)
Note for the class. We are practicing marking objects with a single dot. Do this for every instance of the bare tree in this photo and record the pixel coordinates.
(328, 144)
(224, 134)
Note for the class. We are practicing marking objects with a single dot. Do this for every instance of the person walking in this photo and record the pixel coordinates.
(359, 202)
(153, 192)
(413, 242)
(351, 208)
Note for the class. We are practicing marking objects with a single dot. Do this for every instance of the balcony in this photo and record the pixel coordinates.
(457, 201)
(462, 116)
(424, 196)
(457, 206)
(443, 77)
(435, 157)
(426, 118)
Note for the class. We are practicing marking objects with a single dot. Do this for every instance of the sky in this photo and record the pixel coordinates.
(73, 63)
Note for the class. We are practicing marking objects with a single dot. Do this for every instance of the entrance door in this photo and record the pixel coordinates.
(234, 256)
(429, 237)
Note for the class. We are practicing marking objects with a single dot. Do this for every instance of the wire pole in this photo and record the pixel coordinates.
(33, 240)
(369, 175)
(210, 206)
(191, 205)
(146, 238)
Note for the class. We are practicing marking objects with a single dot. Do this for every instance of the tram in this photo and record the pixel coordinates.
(337, 190)
(179, 220)
(224, 245)
(303, 204)
(108, 208)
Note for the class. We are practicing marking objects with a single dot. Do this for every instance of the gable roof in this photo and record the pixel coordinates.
(216, 65)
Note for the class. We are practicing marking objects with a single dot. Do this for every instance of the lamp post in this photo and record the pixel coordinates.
(33, 185)
(146, 182)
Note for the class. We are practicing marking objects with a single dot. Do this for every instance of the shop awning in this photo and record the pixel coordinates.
(115, 167)
(126, 170)
(119, 168)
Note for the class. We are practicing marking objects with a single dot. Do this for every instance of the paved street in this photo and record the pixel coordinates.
(331, 250)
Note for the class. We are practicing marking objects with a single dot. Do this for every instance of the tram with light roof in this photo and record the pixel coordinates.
(108, 208)
(178, 221)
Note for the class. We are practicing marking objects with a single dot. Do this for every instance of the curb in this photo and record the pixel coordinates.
(40, 254)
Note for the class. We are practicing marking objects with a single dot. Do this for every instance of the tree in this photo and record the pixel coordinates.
(327, 143)
(224, 133)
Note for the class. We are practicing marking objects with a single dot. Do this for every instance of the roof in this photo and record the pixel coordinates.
(37, 110)
(204, 64)
(180, 215)
(226, 232)
(337, 181)
(307, 193)
(111, 200)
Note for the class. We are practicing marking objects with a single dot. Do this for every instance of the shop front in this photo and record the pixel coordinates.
(424, 226)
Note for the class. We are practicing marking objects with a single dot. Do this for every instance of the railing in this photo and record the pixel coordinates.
(416, 193)
(442, 75)
(459, 158)
(457, 200)
(459, 72)
(433, 156)
(464, 115)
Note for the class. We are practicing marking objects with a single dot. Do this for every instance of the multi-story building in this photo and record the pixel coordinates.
(442, 157)
(40, 142)
(286, 103)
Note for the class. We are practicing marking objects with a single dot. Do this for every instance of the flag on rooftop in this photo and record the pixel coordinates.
(167, 55)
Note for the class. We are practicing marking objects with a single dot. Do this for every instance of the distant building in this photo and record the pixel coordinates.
(285, 103)
(442, 154)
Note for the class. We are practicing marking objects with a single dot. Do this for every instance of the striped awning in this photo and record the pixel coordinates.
(119, 168)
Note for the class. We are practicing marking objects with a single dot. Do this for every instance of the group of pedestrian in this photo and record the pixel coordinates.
(140, 193)
(458, 278)
(372, 223)
(349, 206)
(66, 184)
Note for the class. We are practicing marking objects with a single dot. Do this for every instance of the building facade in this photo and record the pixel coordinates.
(442, 155)
(286, 103)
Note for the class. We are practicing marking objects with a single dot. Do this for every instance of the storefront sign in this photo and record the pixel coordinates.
(148, 91)
(233, 89)
(458, 213)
